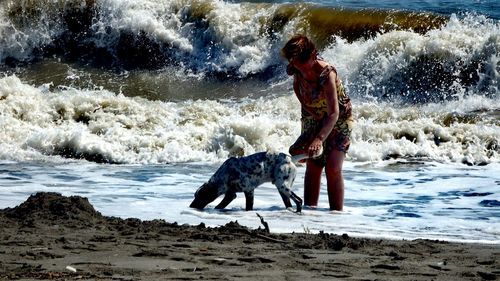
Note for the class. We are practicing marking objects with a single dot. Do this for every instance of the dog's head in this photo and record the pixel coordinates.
(204, 195)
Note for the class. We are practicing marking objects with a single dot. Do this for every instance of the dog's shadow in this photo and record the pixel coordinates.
(241, 210)
(274, 211)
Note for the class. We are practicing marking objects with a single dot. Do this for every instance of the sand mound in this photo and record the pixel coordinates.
(54, 207)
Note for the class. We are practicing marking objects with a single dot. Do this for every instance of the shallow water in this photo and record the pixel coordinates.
(400, 200)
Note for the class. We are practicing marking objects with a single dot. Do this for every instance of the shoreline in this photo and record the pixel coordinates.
(53, 237)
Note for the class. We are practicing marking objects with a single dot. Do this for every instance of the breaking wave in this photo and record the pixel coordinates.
(390, 55)
(209, 36)
(100, 126)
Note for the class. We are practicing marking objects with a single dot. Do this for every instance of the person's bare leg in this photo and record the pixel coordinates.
(312, 183)
(335, 180)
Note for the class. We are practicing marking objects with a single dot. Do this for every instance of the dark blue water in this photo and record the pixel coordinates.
(489, 8)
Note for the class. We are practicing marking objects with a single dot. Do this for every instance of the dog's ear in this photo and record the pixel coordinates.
(202, 188)
(207, 190)
(198, 190)
(204, 195)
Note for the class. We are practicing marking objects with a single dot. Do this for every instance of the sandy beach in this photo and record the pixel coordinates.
(50, 236)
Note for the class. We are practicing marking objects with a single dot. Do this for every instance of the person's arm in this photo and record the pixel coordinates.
(332, 116)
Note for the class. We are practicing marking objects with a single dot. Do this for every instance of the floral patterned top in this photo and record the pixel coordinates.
(312, 97)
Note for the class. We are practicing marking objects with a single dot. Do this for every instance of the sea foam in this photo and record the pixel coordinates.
(105, 127)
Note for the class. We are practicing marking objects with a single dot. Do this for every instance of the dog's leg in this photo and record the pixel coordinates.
(249, 200)
(287, 194)
(285, 176)
(297, 200)
(230, 196)
(286, 199)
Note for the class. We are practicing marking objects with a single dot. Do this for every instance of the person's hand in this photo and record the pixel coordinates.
(316, 148)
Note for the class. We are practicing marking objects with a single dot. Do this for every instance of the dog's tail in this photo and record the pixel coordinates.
(299, 157)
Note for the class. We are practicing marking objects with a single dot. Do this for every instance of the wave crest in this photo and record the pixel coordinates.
(389, 55)
(207, 36)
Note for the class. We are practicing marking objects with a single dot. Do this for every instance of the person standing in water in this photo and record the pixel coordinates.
(326, 122)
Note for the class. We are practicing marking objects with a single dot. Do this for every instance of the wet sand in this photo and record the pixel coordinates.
(50, 236)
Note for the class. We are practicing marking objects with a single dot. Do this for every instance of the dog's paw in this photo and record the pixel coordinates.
(291, 209)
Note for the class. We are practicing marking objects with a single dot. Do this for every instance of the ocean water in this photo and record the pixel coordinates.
(134, 104)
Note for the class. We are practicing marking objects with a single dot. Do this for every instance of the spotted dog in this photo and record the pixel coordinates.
(244, 174)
